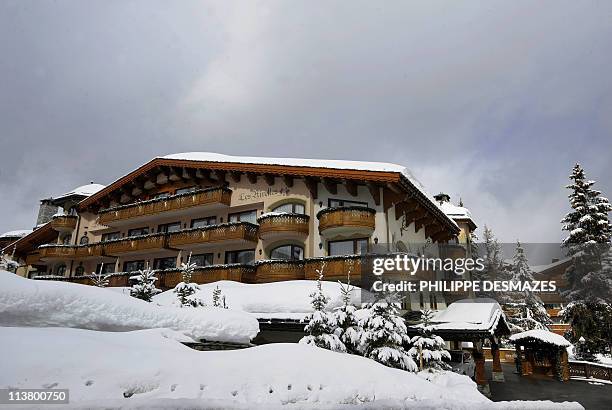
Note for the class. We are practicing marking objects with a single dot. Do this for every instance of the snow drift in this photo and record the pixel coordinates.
(282, 300)
(26, 302)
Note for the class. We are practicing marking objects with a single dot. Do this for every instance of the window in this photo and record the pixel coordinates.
(106, 268)
(288, 252)
(111, 236)
(169, 227)
(80, 270)
(203, 259)
(132, 266)
(202, 222)
(244, 257)
(349, 247)
(164, 263)
(292, 208)
(185, 190)
(334, 203)
(61, 270)
(84, 240)
(247, 216)
(138, 231)
(66, 239)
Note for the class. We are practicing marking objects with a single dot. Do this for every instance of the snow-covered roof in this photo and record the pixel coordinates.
(455, 211)
(543, 336)
(20, 233)
(83, 190)
(541, 268)
(481, 314)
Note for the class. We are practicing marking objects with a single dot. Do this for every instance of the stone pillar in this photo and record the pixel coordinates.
(498, 373)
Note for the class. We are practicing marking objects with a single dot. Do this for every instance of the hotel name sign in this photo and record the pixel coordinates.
(263, 193)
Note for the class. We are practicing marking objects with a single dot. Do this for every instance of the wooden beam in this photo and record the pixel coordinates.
(312, 185)
(432, 229)
(187, 174)
(351, 187)
(269, 178)
(161, 178)
(173, 175)
(288, 180)
(405, 208)
(252, 178)
(422, 222)
(236, 176)
(394, 188)
(375, 192)
(331, 186)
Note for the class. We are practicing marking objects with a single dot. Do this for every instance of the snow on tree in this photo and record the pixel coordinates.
(218, 298)
(321, 324)
(144, 288)
(385, 335)
(525, 309)
(8, 264)
(428, 349)
(186, 290)
(100, 279)
(348, 329)
(490, 250)
(587, 222)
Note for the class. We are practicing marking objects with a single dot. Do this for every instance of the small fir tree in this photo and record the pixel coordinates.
(218, 298)
(187, 291)
(144, 288)
(348, 329)
(385, 335)
(321, 324)
(100, 279)
(429, 350)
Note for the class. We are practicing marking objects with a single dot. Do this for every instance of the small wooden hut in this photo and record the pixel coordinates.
(541, 352)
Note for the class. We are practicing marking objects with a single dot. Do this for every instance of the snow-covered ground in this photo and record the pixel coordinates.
(140, 368)
(282, 300)
(26, 302)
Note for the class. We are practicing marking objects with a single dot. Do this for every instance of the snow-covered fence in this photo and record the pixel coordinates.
(588, 369)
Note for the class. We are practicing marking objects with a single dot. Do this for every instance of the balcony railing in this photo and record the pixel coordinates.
(346, 218)
(64, 223)
(209, 196)
(57, 251)
(135, 244)
(333, 267)
(240, 231)
(277, 270)
(282, 224)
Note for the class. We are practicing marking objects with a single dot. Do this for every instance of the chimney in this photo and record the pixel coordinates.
(45, 211)
(442, 197)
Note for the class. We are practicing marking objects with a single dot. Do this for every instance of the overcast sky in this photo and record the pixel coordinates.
(491, 101)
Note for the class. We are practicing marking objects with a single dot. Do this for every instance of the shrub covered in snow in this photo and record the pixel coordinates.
(347, 325)
(429, 350)
(186, 291)
(144, 288)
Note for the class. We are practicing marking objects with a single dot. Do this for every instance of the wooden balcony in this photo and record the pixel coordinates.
(135, 244)
(206, 274)
(94, 250)
(283, 225)
(346, 219)
(175, 204)
(56, 251)
(277, 270)
(212, 234)
(64, 223)
(333, 267)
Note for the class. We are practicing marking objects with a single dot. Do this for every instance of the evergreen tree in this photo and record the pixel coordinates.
(218, 298)
(100, 279)
(385, 335)
(321, 325)
(429, 350)
(348, 329)
(526, 309)
(144, 288)
(187, 291)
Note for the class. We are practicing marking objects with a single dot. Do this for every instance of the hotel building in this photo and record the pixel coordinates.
(246, 219)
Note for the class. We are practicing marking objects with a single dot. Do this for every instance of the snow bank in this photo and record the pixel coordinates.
(149, 369)
(26, 302)
(278, 300)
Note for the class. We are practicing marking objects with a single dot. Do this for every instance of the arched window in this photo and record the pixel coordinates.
(61, 270)
(80, 270)
(84, 240)
(288, 252)
(290, 207)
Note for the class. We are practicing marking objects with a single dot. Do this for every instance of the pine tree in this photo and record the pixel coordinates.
(321, 325)
(526, 309)
(187, 291)
(385, 335)
(100, 279)
(348, 329)
(144, 288)
(218, 298)
(428, 349)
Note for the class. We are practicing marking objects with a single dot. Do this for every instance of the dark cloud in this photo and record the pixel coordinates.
(492, 102)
